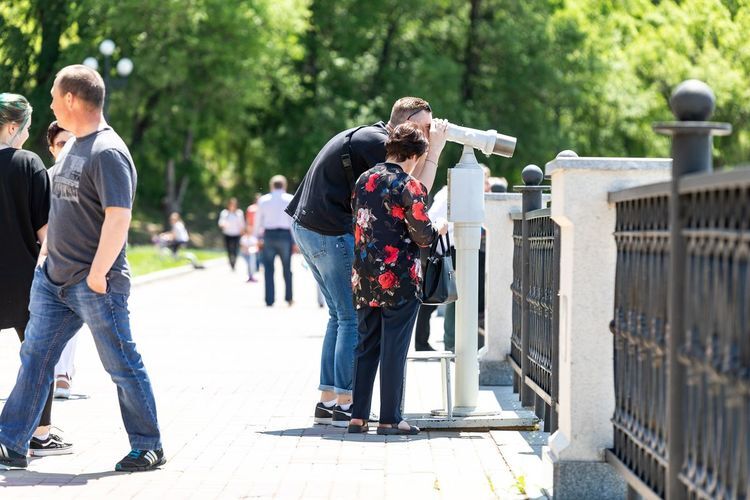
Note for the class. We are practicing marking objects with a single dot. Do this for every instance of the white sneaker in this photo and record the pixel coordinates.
(62, 387)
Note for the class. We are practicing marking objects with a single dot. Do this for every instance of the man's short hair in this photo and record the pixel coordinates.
(278, 182)
(406, 107)
(84, 83)
(52, 132)
(405, 141)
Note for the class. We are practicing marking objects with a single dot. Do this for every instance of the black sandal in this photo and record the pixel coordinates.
(395, 430)
(358, 429)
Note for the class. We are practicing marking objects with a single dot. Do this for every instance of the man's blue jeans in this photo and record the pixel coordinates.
(277, 242)
(330, 259)
(56, 315)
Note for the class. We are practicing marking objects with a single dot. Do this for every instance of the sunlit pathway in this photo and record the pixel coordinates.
(235, 387)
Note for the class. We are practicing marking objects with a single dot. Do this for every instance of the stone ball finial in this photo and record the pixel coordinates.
(532, 175)
(568, 153)
(692, 100)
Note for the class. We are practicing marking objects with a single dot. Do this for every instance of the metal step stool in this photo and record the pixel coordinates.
(445, 358)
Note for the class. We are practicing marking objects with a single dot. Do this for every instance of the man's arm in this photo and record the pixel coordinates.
(41, 235)
(425, 170)
(112, 239)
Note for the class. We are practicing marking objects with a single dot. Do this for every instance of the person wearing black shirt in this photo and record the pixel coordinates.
(323, 230)
(24, 208)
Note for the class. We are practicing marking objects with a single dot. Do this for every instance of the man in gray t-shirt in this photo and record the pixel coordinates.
(85, 278)
(96, 173)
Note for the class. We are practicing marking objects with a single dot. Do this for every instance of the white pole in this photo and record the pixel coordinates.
(466, 211)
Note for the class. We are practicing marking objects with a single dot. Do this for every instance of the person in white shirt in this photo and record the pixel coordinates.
(57, 139)
(232, 224)
(273, 230)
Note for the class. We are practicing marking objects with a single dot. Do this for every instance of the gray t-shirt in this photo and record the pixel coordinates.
(97, 172)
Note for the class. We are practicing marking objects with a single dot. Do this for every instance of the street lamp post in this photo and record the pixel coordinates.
(123, 67)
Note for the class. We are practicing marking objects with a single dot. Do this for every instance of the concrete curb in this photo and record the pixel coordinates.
(503, 420)
(173, 272)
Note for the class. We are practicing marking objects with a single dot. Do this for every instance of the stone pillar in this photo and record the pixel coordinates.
(587, 281)
(494, 368)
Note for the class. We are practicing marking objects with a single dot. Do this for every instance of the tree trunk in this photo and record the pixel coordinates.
(471, 56)
(52, 16)
(142, 123)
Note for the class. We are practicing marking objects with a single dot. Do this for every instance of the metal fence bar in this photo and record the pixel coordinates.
(692, 103)
(641, 281)
(535, 302)
(682, 305)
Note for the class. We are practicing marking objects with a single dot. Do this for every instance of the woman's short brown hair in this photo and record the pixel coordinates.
(405, 141)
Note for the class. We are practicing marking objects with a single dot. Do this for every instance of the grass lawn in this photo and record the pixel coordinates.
(146, 259)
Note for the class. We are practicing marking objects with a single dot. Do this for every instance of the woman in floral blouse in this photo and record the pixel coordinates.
(391, 225)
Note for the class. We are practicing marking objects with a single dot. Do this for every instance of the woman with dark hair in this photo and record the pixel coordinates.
(232, 224)
(391, 226)
(24, 208)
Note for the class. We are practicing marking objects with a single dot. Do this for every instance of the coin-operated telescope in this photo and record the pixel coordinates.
(466, 211)
(489, 142)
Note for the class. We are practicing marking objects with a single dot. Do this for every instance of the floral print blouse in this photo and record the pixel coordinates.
(391, 224)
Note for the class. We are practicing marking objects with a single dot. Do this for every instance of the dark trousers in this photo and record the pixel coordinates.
(232, 244)
(422, 330)
(277, 242)
(46, 418)
(384, 336)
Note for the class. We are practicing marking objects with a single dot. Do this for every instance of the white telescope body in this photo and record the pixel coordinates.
(488, 142)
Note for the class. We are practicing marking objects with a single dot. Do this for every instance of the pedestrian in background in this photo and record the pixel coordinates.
(438, 210)
(273, 230)
(232, 224)
(249, 251)
(24, 209)
(57, 138)
(250, 213)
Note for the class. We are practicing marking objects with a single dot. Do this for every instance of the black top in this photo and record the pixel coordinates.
(391, 225)
(24, 208)
(322, 202)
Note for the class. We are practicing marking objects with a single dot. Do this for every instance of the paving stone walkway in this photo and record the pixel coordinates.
(235, 386)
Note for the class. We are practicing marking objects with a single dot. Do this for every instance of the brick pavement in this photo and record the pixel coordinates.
(235, 385)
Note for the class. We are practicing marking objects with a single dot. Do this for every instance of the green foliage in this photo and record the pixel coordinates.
(234, 91)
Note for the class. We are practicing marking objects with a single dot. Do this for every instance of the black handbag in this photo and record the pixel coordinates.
(439, 283)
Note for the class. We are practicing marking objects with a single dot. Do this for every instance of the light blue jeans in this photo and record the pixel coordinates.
(56, 315)
(330, 259)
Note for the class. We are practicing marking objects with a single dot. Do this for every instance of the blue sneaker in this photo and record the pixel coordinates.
(9, 459)
(141, 460)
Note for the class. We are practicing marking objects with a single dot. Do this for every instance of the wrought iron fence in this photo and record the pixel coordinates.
(534, 340)
(713, 402)
(640, 327)
(716, 349)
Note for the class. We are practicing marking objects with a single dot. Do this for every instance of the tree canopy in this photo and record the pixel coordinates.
(231, 92)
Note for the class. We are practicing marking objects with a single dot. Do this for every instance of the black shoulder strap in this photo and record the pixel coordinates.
(346, 157)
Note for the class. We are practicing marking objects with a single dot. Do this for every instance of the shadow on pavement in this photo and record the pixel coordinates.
(28, 478)
(336, 434)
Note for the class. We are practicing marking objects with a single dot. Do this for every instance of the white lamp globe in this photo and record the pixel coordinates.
(92, 63)
(107, 47)
(124, 66)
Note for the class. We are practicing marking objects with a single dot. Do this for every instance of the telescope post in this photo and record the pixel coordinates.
(466, 211)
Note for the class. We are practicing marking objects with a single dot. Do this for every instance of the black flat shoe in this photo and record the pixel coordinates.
(358, 429)
(427, 347)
